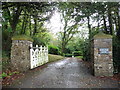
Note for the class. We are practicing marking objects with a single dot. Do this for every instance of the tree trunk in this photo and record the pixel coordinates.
(30, 26)
(14, 21)
(105, 26)
(24, 29)
(35, 26)
(110, 20)
(23, 23)
(118, 31)
(63, 48)
(89, 27)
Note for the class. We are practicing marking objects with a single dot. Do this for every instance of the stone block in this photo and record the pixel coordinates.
(103, 63)
(20, 55)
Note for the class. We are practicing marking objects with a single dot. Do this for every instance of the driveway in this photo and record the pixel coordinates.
(67, 73)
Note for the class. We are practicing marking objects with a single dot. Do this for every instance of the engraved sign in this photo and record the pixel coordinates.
(103, 50)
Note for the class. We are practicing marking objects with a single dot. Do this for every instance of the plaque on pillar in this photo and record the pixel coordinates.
(103, 50)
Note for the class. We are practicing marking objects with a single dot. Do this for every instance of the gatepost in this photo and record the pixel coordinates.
(102, 55)
(20, 53)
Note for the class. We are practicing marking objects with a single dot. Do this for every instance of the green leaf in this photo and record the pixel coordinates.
(9, 29)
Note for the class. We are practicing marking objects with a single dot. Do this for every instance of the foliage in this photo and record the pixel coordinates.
(75, 45)
(86, 50)
(40, 41)
(25, 18)
(70, 27)
(68, 55)
(53, 50)
(116, 53)
(4, 54)
(5, 60)
(3, 75)
(77, 53)
(6, 43)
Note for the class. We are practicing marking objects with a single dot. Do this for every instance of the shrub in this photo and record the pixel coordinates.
(68, 55)
(86, 51)
(79, 57)
(116, 53)
(38, 41)
(77, 53)
(4, 75)
(53, 50)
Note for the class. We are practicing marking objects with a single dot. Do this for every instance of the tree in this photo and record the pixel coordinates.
(13, 11)
(70, 27)
(18, 19)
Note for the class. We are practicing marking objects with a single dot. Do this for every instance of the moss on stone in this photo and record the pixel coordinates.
(102, 35)
(22, 37)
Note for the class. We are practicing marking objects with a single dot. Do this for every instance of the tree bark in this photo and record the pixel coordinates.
(89, 26)
(35, 26)
(30, 26)
(23, 23)
(14, 21)
(118, 15)
(110, 20)
(105, 26)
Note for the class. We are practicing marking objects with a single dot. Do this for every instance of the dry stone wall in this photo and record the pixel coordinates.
(102, 55)
(20, 55)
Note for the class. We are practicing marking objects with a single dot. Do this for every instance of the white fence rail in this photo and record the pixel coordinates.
(38, 56)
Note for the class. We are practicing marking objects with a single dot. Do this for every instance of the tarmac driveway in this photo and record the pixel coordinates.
(67, 73)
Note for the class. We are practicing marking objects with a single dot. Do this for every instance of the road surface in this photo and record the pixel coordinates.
(67, 73)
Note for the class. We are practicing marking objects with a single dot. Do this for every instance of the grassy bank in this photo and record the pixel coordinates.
(53, 58)
(79, 57)
(6, 62)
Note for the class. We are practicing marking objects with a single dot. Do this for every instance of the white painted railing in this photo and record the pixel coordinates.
(38, 56)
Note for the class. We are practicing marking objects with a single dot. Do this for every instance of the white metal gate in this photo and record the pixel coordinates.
(38, 56)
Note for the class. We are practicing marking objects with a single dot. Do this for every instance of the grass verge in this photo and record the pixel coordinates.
(79, 57)
(53, 58)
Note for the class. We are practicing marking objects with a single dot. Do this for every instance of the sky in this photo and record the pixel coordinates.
(55, 25)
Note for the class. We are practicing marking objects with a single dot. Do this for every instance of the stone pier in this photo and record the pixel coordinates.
(20, 55)
(102, 55)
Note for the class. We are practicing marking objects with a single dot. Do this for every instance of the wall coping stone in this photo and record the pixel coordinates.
(102, 35)
(22, 37)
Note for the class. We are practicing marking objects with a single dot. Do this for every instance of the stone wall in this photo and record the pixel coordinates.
(20, 55)
(102, 55)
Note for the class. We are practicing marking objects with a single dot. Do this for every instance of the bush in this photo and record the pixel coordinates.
(79, 57)
(86, 51)
(53, 50)
(77, 53)
(116, 53)
(38, 41)
(68, 55)
(5, 54)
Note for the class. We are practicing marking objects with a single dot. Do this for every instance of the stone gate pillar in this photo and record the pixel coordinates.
(102, 55)
(20, 54)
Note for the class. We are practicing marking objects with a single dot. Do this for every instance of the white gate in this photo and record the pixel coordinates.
(38, 56)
